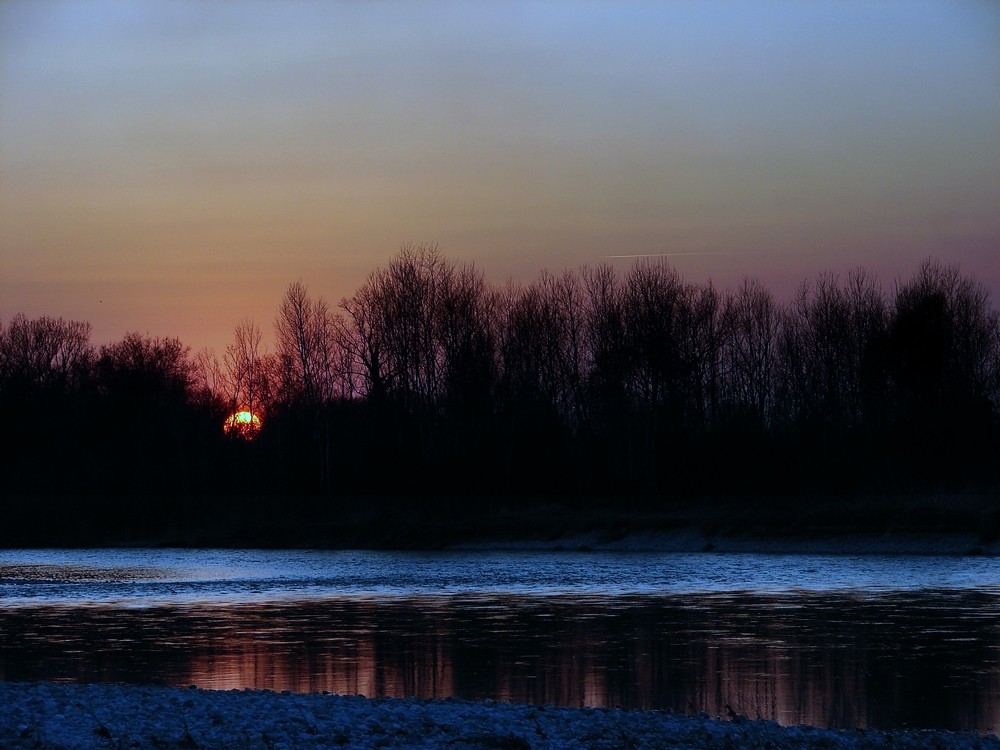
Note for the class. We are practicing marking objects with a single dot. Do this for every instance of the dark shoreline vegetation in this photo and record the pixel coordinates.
(433, 408)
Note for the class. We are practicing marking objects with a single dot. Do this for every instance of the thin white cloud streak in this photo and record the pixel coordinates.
(676, 255)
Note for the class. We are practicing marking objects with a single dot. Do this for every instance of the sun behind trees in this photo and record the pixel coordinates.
(430, 382)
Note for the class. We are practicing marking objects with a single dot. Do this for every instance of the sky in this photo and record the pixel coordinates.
(170, 167)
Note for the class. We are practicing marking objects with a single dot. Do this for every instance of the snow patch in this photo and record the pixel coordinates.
(60, 716)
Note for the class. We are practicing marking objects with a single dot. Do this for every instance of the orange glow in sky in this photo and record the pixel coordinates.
(243, 423)
(172, 166)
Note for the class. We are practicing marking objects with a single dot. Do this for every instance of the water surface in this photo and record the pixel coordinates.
(824, 640)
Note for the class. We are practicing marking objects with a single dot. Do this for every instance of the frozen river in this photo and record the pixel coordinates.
(825, 640)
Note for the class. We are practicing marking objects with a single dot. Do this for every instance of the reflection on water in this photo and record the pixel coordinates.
(926, 658)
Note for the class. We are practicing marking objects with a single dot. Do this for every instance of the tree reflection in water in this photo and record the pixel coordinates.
(926, 659)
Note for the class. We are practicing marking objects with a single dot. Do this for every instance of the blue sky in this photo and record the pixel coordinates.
(171, 167)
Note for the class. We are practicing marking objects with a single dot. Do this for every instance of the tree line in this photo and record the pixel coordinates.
(591, 386)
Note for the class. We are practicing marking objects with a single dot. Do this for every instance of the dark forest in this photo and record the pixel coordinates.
(432, 399)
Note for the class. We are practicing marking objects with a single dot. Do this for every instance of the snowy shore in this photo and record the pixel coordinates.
(45, 715)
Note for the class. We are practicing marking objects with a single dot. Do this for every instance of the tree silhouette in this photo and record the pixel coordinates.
(247, 368)
(431, 385)
(941, 366)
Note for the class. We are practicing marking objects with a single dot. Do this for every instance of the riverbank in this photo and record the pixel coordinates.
(876, 525)
(689, 541)
(966, 524)
(68, 717)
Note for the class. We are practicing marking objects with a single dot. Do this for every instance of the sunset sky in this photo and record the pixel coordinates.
(171, 167)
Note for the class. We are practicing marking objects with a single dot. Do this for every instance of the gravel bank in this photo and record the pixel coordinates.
(45, 715)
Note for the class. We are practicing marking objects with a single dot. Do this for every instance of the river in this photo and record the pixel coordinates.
(835, 641)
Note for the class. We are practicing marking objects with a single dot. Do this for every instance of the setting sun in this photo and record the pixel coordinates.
(243, 423)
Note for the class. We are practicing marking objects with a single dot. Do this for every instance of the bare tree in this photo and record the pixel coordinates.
(44, 353)
(364, 342)
(750, 354)
(828, 340)
(605, 330)
(209, 382)
(147, 369)
(295, 334)
(941, 339)
(463, 328)
(542, 349)
(396, 339)
(312, 368)
(701, 338)
(308, 343)
(247, 369)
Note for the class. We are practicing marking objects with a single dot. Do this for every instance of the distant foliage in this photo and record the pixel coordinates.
(429, 381)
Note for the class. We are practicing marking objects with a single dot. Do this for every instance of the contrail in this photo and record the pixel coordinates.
(674, 255)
